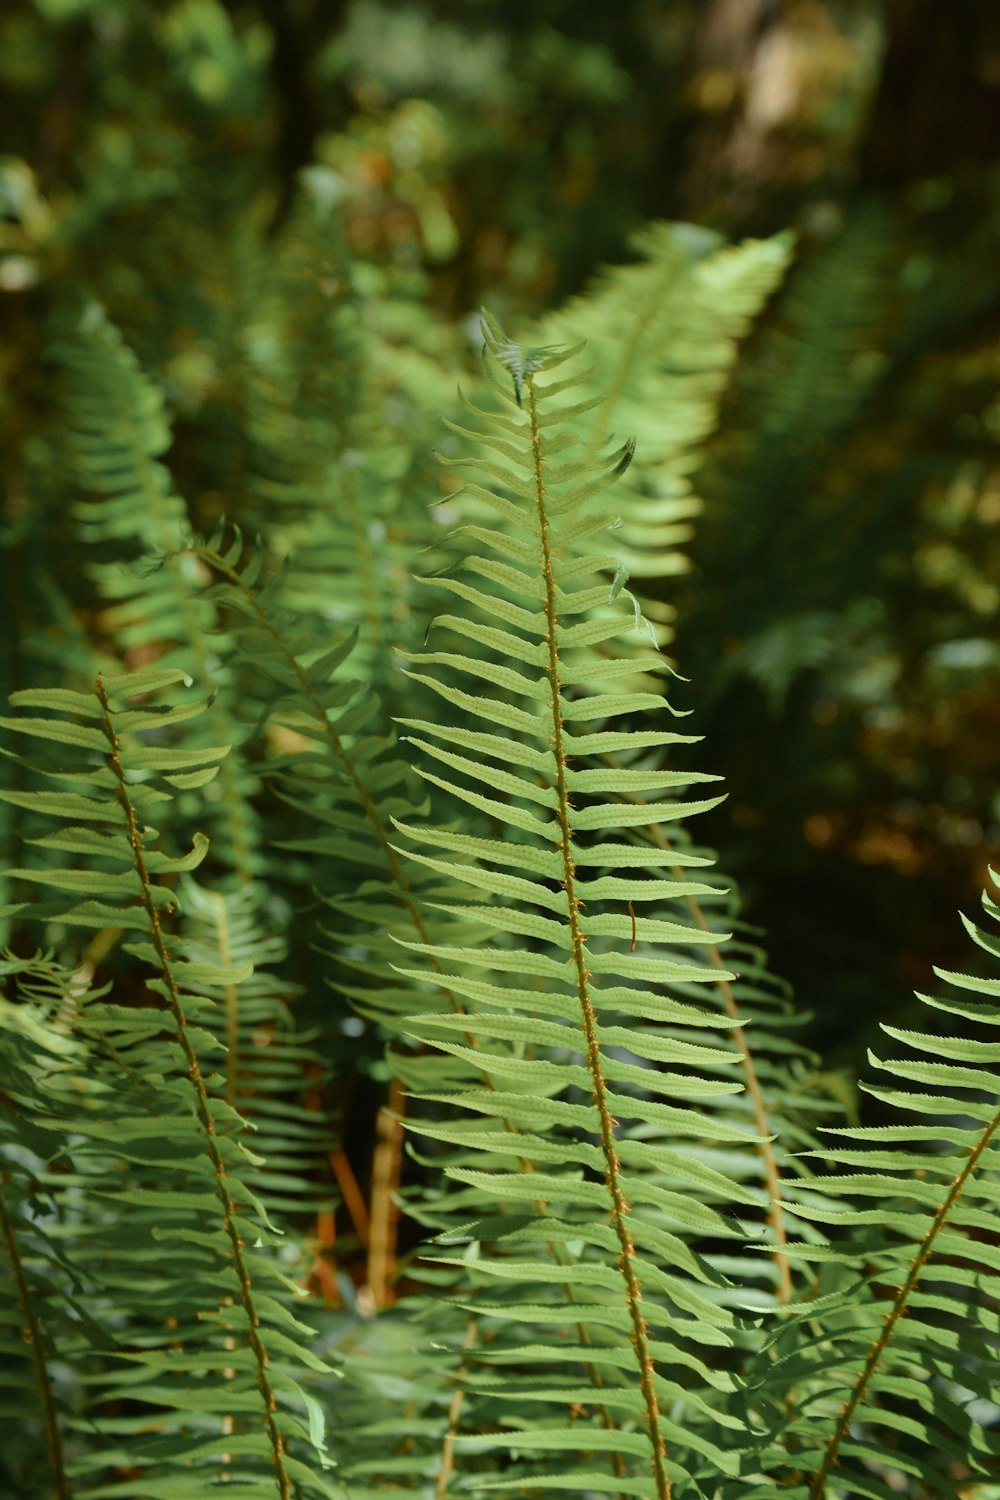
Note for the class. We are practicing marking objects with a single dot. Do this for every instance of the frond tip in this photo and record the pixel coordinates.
(515, 358)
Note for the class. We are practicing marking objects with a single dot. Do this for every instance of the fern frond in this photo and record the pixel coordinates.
(116, 431)
(663, 333)
(816, 366)
(271, 1060)
(582, 1013)
(336, 441)
(894, 1369)
(783, 1099)
(35, 1302)
(341, 775)
(216, 1372)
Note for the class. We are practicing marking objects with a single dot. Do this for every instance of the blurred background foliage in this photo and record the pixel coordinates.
(839, 615)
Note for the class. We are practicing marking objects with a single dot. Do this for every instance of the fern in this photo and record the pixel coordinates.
(271, 1059)
(630, 1247)
(784, 1095)
(341, 773)
(116, 432)
(663, 334)
(339, 441)
(491, 1094)
(216, 1370)
(894, 1366)
(587, 979)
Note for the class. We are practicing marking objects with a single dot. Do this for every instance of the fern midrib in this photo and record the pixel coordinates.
(60, 1480)
(201, 1102)
(619, 1206)
(830, 1456)
(454, 1415)
(772, 1177)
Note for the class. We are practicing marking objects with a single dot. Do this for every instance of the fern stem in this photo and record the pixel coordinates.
(772, 1177)
(33, 1336)
(201, 1099)
(619, 1204)
(350, 1192)
(892, 1317)
(454, 1417)
(386, 1171)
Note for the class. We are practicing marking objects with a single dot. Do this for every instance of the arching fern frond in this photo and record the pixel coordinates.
(601, 1066)
(39, 1324)
(799, 391)
(272, 1062)
(214, 1364)
(116, 432)
(784, 1097)
(336, 435)
(663, 333)
(892, 1373)
(343, 780)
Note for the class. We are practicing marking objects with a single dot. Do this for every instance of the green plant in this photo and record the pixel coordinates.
(635, 1256)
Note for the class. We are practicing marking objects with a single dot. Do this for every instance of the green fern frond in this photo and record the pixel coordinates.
(817, 365)
(343, 781)
(337, 440)
(272, 1063)
(39, 1325)
(581, 1014)
(216, 1370)
(663, 333)
(894, 1369)
(784, 1098)
(116, 432)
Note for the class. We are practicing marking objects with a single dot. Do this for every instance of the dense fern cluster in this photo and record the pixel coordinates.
(325, 803)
